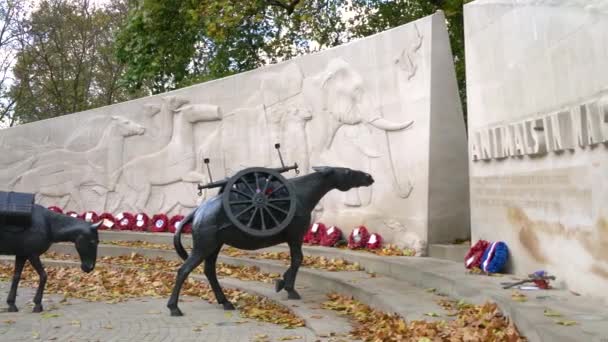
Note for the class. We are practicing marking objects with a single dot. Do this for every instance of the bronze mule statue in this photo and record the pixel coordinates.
(28, 241)
(211, 228)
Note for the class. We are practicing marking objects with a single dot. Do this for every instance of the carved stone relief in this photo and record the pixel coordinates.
(340, 100)
(349, 107)
(407, 60)
(62, 172)
(175, 162)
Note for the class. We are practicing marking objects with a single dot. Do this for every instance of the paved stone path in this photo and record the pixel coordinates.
(143, 319)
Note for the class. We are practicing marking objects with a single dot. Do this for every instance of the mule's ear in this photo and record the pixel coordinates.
(96, 225)
(323, 169)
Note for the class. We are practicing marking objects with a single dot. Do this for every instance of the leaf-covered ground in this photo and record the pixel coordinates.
(319, 262)
(140, 244)
(139, 261)
(472, 323)
(387, 250)
(150, 277)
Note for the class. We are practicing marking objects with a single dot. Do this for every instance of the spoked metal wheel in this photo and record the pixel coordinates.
(259, 201)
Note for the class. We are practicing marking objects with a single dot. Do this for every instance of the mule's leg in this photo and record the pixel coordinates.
(195, 259)
(212, 277)
(289, 277)
(12, 294)
(35, 261)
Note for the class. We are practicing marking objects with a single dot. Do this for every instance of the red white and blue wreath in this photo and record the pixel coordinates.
(159, 223)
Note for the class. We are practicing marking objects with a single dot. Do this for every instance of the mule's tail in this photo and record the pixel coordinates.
(177, 238)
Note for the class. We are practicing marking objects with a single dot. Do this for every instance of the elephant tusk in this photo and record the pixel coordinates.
(386, 125)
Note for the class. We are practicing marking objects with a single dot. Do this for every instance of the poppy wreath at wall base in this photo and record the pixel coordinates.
(90, 216)
(142, 221)
(107, 221)
(358, 238)
(187, 229)
(175, 220)
(308, 236)
(374, 241)
(331, 237)
(55, 209)
(495, 257)
(159, 223)
(72, 214)
(473, 257)
(125, 221)
(316, 232)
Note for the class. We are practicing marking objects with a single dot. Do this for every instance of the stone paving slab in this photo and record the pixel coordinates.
(144, 319)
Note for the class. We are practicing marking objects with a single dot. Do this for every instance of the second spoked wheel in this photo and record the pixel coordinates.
(259, 201)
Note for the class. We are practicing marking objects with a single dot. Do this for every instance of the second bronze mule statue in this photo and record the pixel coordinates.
(28, 242)
(211, 229)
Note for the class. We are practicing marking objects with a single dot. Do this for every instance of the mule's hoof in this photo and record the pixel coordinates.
(279, 284)
(293, 295)
(37, 308)
(12, 308)
(228, 306)
(176, 312)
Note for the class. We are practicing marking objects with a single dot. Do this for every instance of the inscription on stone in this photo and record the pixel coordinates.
(582, 125)
(554, 193)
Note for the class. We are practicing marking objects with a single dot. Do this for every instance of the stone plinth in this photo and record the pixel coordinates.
(537, 81)
(387, 104)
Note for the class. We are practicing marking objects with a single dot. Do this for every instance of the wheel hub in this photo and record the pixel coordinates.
(260, 200)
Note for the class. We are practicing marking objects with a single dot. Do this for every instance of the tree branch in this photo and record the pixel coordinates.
(289, 7)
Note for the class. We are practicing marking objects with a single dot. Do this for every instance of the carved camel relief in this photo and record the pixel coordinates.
(62, 172)
(176, 162)
(338, 99)
(163, 114)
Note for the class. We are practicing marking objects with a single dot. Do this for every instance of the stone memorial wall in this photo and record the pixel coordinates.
(387, 104)
(537, 84)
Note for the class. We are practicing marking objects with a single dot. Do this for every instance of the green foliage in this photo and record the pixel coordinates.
(67, 61)
(376, 16)
(168, 45)
(12, 14)
(72, 56)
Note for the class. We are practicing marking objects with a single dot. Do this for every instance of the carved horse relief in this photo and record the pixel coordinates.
(243, 131)
(286, 113)
(62, 172)
(288, 127)
(176, 162)
(8, 174)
